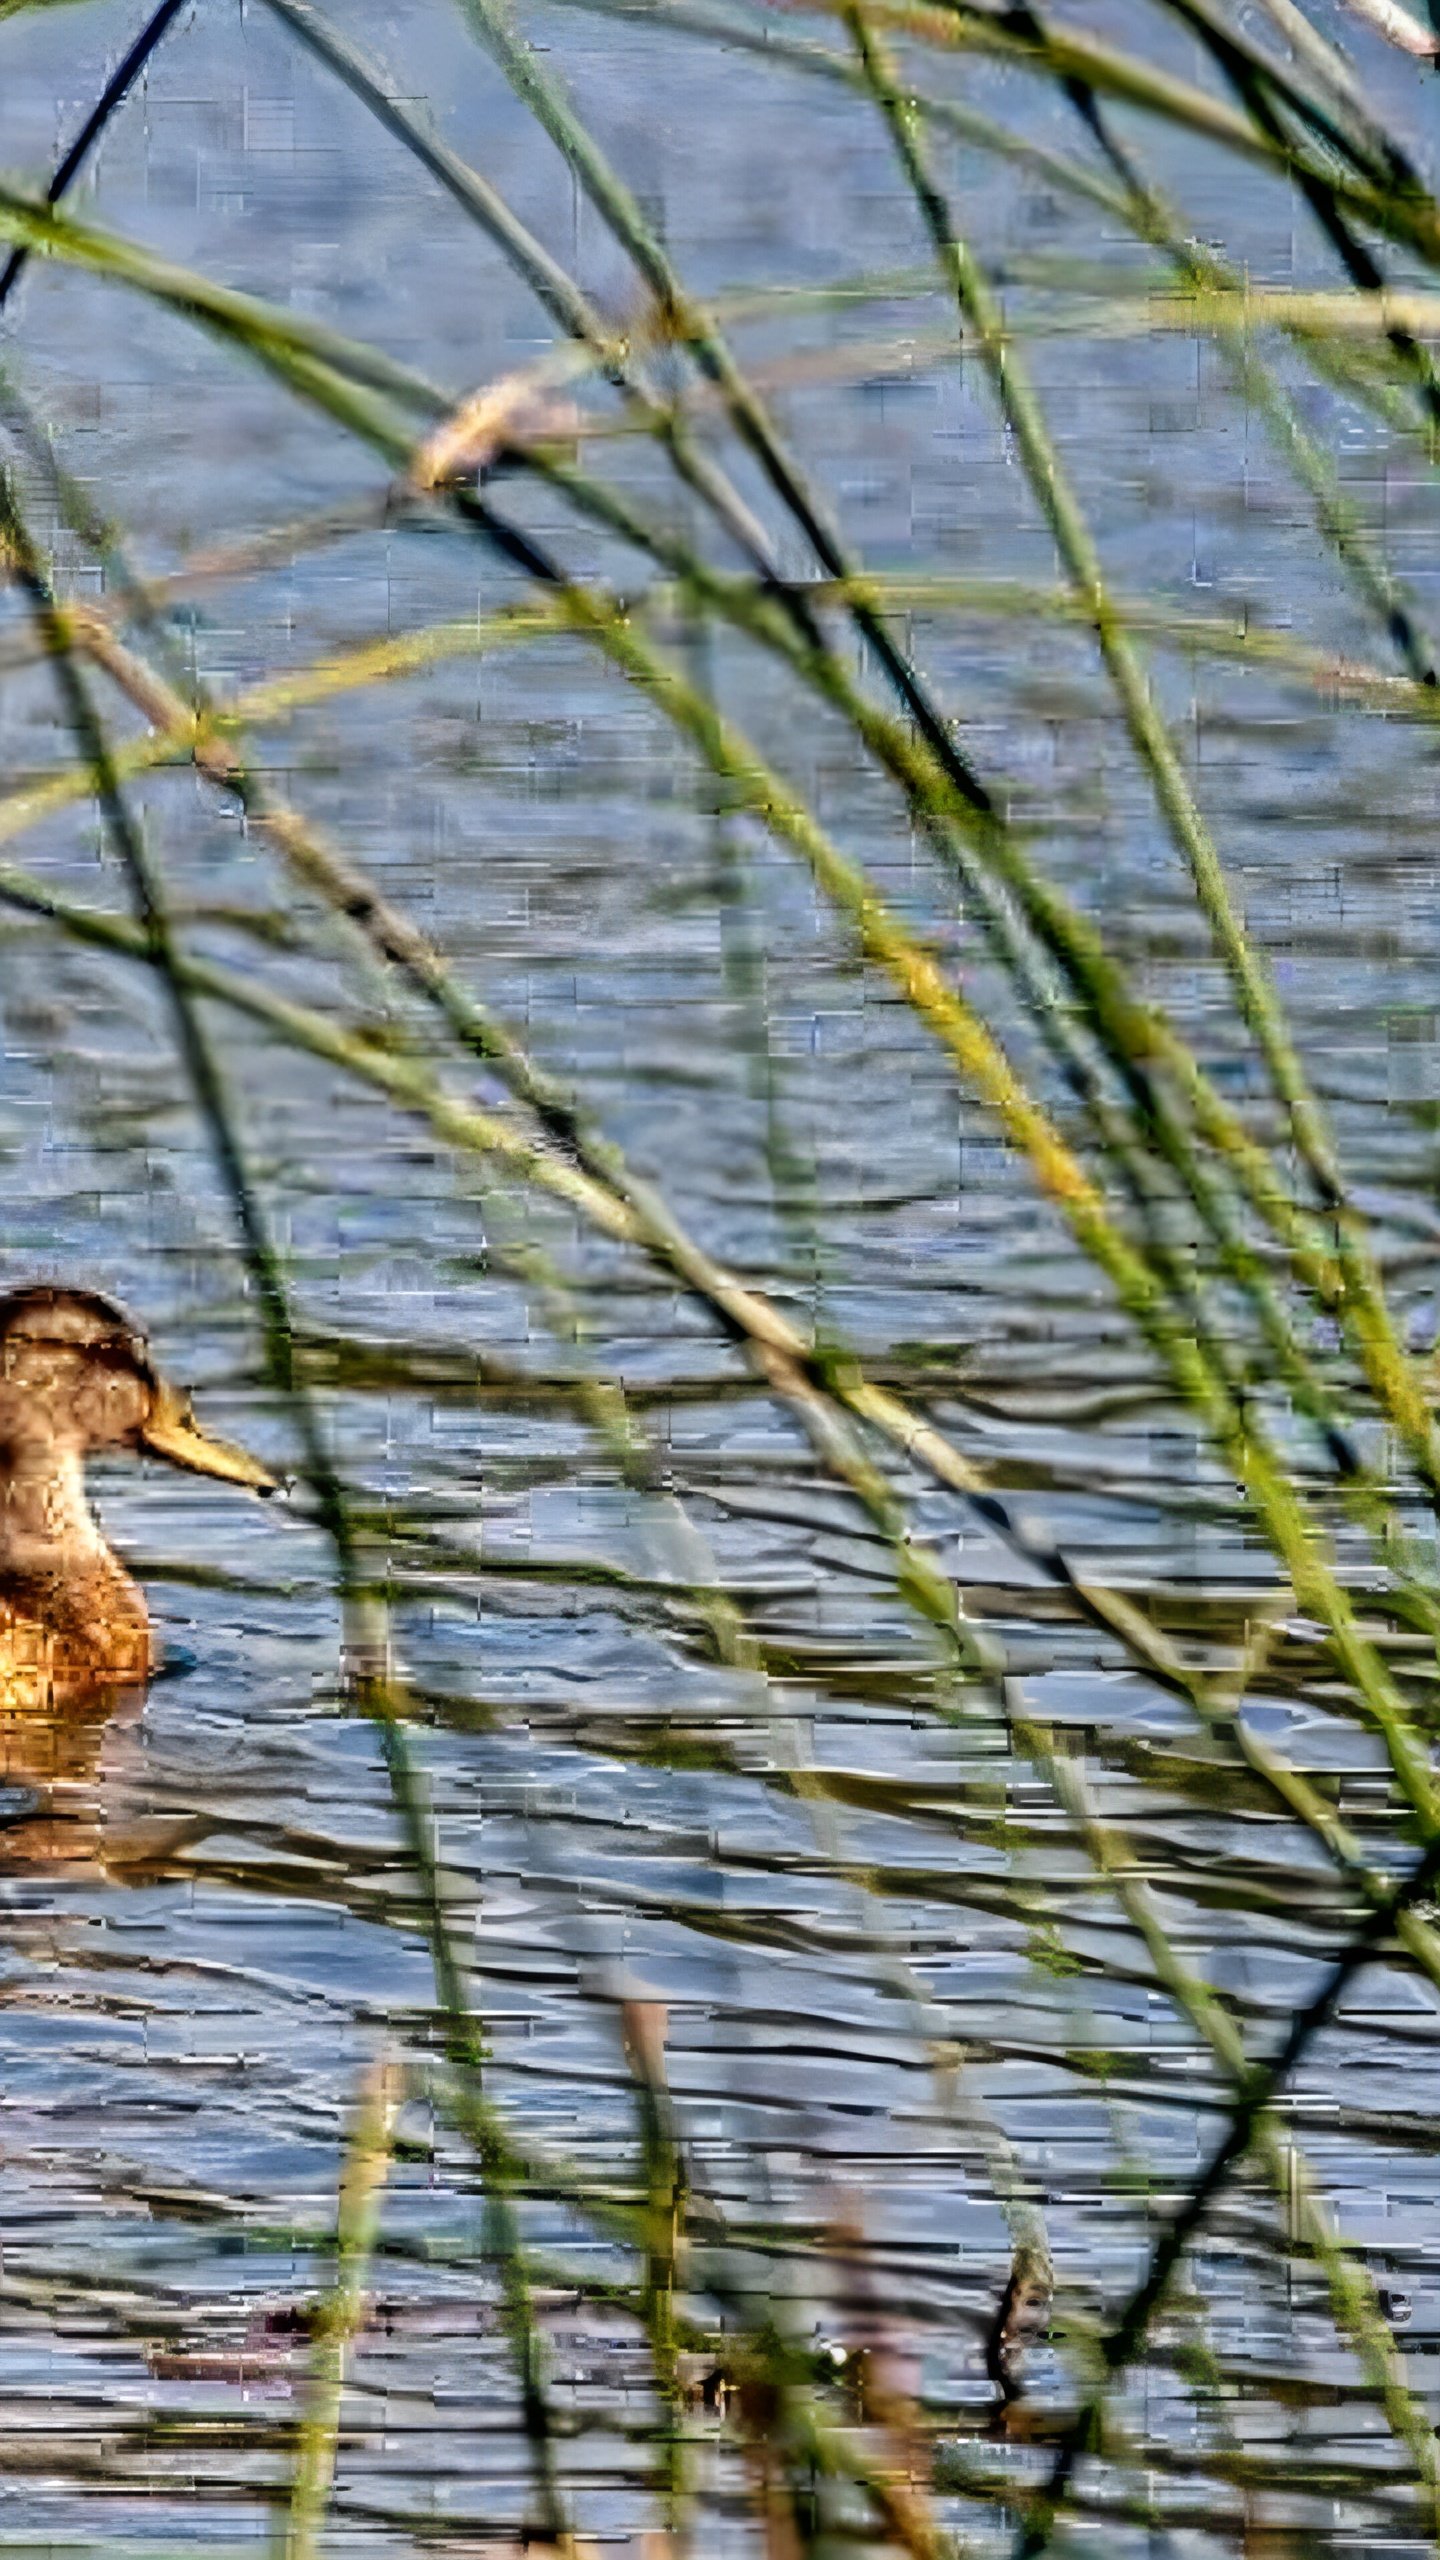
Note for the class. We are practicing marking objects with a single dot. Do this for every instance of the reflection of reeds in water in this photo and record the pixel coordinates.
(779, 2375)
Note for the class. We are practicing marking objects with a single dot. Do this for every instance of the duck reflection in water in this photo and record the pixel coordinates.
(76, 1646)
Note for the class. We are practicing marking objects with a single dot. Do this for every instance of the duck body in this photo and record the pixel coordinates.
(85, 1627)
(76, 1377)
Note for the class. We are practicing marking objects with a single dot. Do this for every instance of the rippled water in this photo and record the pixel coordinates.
(197, 1971)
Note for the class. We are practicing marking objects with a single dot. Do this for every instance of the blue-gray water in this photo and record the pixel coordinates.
(189, 1999)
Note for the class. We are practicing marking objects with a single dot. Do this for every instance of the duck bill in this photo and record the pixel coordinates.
(172, 1432)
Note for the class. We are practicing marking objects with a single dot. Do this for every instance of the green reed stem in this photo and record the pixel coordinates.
(1148, 733)
(1264, 93)
(1352, 2290)
(1256, 2088)
(664, 2180)
(1405, 214)
(691, 328)
(983, 1065)
(374, 1681)
(1364, 1306)
(341, 2312)
(1133, 1039)
(1138, 1039)
(1338, 521)
(1152, 743)
(1069, 937)
(355, 897)
(262, 329)
(950, 116)
(793, 1184)
(108, 935)
(1151, 740)
(637, 1216)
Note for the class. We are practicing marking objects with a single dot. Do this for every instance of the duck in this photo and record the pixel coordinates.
(77, 1379)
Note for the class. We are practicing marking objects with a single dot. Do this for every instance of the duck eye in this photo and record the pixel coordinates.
(114, 1353)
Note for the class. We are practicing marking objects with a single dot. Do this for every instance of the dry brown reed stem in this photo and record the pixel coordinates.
(613, 353)
(1398, 26)
(1237, 636)
(508, 415)
(880, 2361)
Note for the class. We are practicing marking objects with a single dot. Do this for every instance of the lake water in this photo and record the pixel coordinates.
(876, 2001)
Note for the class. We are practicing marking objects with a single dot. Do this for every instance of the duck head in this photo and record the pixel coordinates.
(76, 1377)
